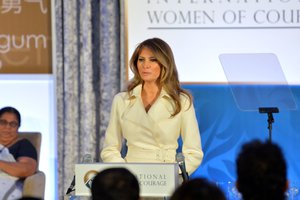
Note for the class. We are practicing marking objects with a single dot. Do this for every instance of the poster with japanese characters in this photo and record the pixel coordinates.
(25, 37)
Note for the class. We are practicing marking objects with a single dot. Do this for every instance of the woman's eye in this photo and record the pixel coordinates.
(140, 59)
(153, 59)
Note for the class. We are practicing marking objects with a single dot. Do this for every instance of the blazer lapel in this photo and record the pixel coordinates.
(136, 114)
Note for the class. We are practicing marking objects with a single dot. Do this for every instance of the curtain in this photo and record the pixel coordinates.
(89, 71)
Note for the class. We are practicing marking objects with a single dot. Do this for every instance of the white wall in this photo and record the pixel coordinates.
(34, 97)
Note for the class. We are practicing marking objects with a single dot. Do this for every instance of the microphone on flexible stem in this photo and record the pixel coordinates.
(181, 164)
(87, 158)
(71, 188)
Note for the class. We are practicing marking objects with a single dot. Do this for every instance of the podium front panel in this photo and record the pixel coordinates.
(156, 179)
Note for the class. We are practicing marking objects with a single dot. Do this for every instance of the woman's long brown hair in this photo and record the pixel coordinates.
(168, 78)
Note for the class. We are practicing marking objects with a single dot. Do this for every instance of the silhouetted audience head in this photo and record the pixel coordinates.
(261, 171)
(115, 184)
(198, 189)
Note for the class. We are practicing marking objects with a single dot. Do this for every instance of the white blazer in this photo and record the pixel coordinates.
(153, 136)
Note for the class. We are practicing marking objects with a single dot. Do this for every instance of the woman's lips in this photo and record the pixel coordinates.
(146, 73)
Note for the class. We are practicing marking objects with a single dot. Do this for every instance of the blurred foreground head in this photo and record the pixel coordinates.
(198, 189)
(261, 171)
(115, 184)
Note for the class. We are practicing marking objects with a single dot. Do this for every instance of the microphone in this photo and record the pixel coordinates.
(87, 158)
(181, 164)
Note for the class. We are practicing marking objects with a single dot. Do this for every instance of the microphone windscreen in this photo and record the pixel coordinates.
(179, 157)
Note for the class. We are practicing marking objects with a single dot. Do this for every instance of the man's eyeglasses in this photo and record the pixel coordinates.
(12, 124)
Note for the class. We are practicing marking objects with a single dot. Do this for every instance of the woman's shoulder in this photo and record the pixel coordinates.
(120, 99)
(23, 142)
(23, 147)
(121, 96)
(186, 101)
(184, 97)
(129, 95)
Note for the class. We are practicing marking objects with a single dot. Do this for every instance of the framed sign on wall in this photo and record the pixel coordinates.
(25, 37)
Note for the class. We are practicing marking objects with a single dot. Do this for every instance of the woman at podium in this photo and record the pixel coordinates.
(153, 113)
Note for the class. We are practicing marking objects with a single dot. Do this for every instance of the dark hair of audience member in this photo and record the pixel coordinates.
(115, 184)
(198, 189)
(261, 171)
(12, 110)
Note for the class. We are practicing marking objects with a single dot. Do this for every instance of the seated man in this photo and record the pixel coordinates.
(261, 171)
(115, 184)
(198, 188)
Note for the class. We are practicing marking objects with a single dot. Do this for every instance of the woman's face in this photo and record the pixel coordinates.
(148, 66)
(8, 128)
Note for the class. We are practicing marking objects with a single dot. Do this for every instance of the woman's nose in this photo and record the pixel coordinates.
(147, 64)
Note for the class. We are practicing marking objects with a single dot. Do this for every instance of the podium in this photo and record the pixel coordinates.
(156, 179)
